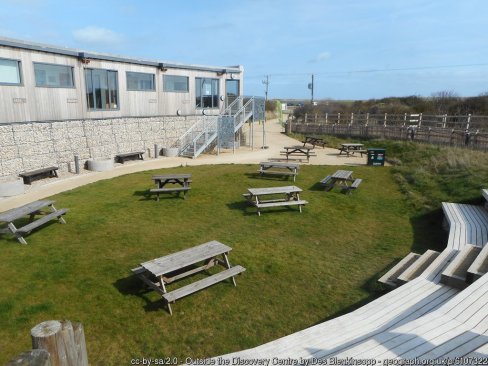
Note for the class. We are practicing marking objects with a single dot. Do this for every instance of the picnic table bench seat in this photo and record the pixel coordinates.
(31, 209)
(32, 175)
(135, 155)
(327, 180)
(355, 184)
(201, 284)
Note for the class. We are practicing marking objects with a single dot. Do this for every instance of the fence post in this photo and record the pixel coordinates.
(65, 342)
(338, 118)
(384, 124)
(352, 118)
(306, 117)
(420, 120)
(404, 120)
(326, 118)
(367, 119)
(428, 134)
(469, 120)
(315, 118)
(444, 121)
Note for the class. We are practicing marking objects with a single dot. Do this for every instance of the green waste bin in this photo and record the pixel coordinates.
(376, 156)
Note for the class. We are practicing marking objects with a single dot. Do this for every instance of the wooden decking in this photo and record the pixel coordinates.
(423, 318)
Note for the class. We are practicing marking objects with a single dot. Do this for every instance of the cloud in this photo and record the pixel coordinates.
(96, 35)
(322, 56)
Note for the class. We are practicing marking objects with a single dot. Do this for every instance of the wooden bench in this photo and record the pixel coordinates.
(204, 283)
(32, 209)
(32, 175)
(314, 141)
(158, 191)
(355, 184)
(121, 158)
(285, 169)
(326, 181)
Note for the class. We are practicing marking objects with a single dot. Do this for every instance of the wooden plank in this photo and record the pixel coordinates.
(418, 266)
(53, 215)
(273, 190)
(184, 258)
(389, 278)
(281, 203)
(167, 190)
(18, 212)
(200, 285)
(271, 164)
(171, 176)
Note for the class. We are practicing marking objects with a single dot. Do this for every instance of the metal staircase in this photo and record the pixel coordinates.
(219, 130)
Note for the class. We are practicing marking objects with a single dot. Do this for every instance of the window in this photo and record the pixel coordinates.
(140, 81)
(102, 90)
(207, 93)
(56, 76)
(173, 83)
(10, 72)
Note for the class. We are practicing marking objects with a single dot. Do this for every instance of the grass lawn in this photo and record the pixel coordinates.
(301, 268)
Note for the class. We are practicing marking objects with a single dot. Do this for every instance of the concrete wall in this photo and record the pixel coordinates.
(29, 146)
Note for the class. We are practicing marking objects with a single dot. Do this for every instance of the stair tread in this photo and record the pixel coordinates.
(419, 266)
(389, 278)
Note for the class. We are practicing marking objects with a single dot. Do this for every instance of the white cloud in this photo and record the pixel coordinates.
(322, 56)
(96, 35)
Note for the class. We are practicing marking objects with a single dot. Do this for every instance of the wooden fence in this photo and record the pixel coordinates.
(460, 131)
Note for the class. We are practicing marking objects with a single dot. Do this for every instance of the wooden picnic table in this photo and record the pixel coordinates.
(350, 149)
(176, 266)
(260, 197)
(312, 140)
(281, 168)
(32, 210)
(178, 183)
(298, 150)
(341, 178)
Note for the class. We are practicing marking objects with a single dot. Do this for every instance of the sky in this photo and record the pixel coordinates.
(356, 49)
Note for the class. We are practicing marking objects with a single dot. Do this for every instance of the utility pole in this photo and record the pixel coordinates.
(310, 86)
(266, 83)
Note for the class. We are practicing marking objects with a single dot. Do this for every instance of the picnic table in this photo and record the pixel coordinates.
(350, 149)
(170, 268)
(312, 140)
(32, 210)
(177, 183)
(260, 197)
(341, 178)
(298, 150)
(281, 168)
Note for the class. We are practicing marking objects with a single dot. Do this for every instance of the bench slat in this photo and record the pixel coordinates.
(53, 215)
(163, 190)
(281, 203)
(326, 180)
(200, 285)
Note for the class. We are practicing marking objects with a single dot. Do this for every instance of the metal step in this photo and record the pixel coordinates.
(417, 267)
(455, 274)
(390, 277)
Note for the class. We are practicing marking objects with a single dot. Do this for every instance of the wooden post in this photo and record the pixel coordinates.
(326, 118)
(64, 341)
(35, 357)
(306, 116)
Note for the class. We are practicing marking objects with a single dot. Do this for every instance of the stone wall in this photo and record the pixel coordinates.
(29, 146)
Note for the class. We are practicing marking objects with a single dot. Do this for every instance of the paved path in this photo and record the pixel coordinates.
(275, 140)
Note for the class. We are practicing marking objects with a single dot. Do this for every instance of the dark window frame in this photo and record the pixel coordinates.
(176, 91)
(54, 86)
(94, 109)
(140, 73)
(200, 99)
(19, 67)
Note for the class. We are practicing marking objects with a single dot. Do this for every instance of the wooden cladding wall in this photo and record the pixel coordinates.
(29, 103)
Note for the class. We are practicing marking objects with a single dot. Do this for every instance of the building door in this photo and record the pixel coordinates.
(231, 91)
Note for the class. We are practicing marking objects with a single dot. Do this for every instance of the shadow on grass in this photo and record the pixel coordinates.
(317, 187)
(147, 196)
(275, 177)
(134, 286)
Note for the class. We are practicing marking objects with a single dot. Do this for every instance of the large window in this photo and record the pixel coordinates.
(207, 93)
(56, 76)
(10, 72)
(102, 90)
(174, 83)
(140, 81)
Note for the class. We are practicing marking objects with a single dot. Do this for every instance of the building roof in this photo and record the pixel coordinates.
(40, 47)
